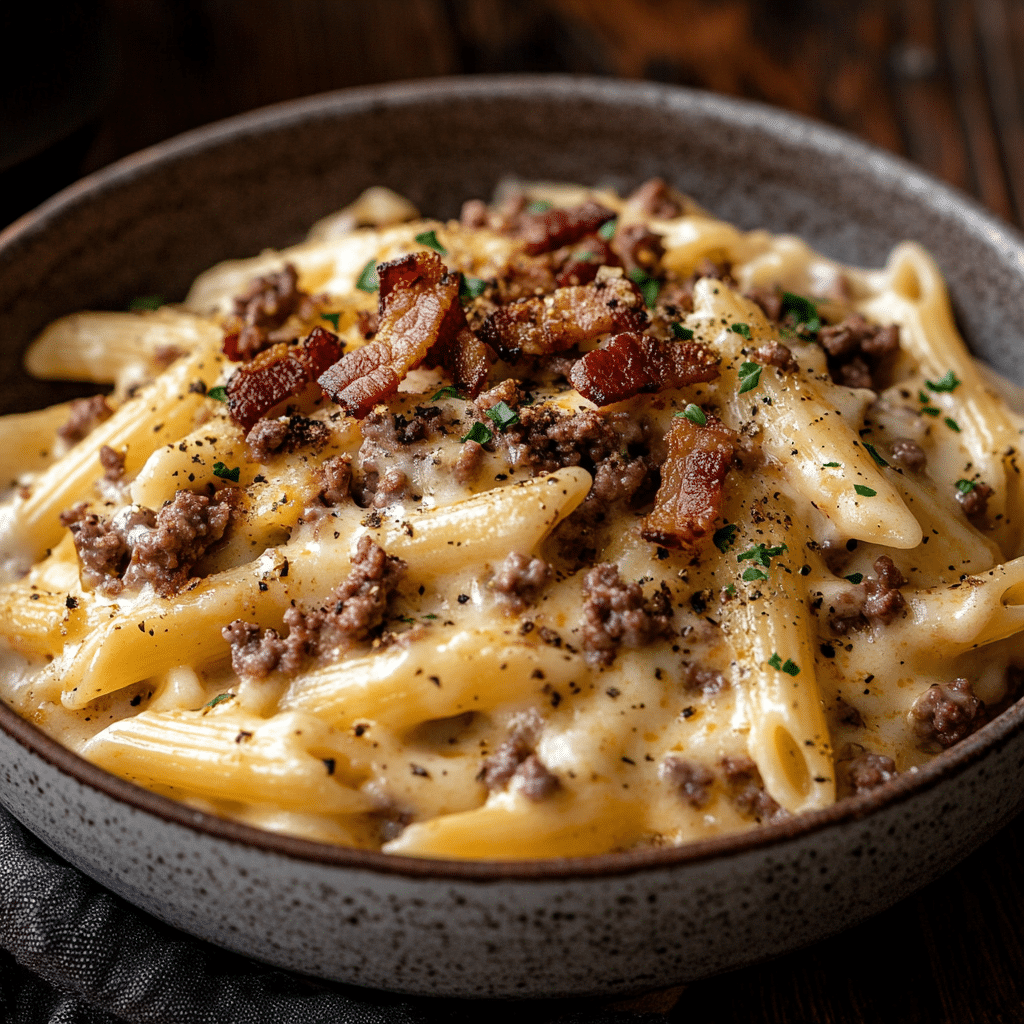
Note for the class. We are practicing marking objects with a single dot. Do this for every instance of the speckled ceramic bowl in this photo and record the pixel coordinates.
(608, 924)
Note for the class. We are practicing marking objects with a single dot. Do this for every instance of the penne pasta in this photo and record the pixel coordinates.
(583, 524)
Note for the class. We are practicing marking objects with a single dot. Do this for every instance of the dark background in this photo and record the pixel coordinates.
(938, 81)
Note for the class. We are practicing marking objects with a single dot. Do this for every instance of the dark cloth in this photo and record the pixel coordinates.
(73, 953)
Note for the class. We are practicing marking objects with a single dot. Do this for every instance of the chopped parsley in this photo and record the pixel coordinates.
(805, 313)
(724, 537)
(930, 410)
(762, 555)
(141, 302)
(331, 318)
(538, 206)
(947, 382)
(585, 257)
(479, 433)
(219, 469)
(873, 452)
(952, 424)
(731, 590)
(831, 465)
(788, 666)
(648, 285)
(681, 333)
(502, 415)
(695, 414)
(743, 330)
(607, 229)
(429, 239)
(750, 374)
(471, 287)
(965, 486)
(864, 491)
(219, 699)
(218, 394)
(448, 391)
(855, 577)
(368, 280)
(754, 574)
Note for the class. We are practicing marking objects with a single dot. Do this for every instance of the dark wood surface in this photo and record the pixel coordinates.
(938, 81)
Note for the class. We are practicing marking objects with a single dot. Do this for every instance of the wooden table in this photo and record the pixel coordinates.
(938, 81)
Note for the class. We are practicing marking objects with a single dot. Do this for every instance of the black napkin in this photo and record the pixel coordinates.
(73, 953)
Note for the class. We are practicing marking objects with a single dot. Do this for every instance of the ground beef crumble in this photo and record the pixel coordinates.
(747, 790)
(519, 580)
(354, 609)
(858, 351)
(83, 415)
(263, 308)
(909, 454)
(617, 613)
(946, 713)
(138, 546)
(974, 502)
(270, 437)
(692, 780)
(515, 760)
(876, 602)
(868, 771)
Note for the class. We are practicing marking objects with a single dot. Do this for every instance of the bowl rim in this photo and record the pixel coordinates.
(894, 171)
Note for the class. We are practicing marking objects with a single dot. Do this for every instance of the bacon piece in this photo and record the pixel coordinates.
(632, 363)
(462, 354)
(543, 232)
(689, 499)
(566, 317)
(416, 296)
(277, 373)
(580, 264)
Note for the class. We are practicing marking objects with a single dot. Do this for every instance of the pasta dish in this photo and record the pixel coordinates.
(582, 523)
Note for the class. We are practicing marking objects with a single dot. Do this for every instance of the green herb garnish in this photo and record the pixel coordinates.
(930, 410)
(218, 394)
(502, 415)
(331, 318)
(864, 491)
(947, 382)
(219, 469)
(743, 330)
(750, 375)
(648, 285)
(805, 313)
(538, 206)
(724, 537)
(368, 280)
(754, 574)
(429, 239)
(831, 465)
(762, 555)
(873, 452)
(694, 413)
(219, 699)
(952, 424)
(471, 287)
(965, 486)
(607, 229)
(448, 391)
(141, 302)
(479, 433)
(681, 333)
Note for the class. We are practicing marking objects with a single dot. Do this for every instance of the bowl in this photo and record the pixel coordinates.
(609, 924)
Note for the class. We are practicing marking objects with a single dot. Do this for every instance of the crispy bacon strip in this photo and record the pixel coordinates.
(416, 296)
(462, 354)
(689, 499)
(277, 373)
(632, 363)
(543, 232)
(566, 317)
